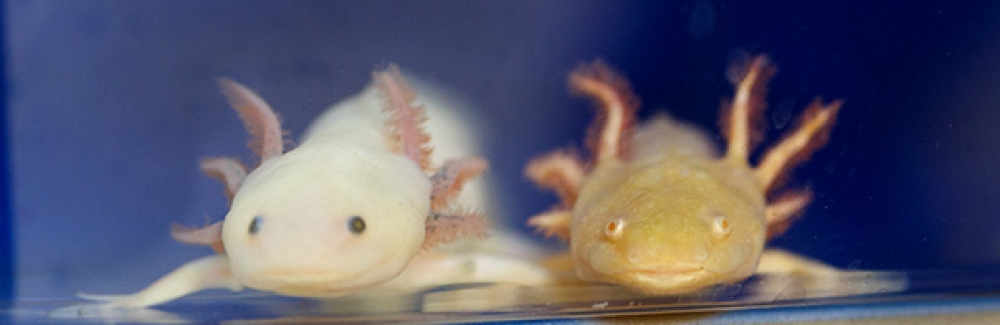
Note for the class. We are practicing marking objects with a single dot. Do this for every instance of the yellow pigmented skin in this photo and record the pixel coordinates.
(657, 209)
(671, 206)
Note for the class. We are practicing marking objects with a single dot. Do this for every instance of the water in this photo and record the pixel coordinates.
(111, 104)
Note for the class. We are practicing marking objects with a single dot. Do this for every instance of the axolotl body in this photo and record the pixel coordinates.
(348, 209)
(658, 209)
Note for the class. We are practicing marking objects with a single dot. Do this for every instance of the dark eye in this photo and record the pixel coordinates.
(356, 225)
(255, 225)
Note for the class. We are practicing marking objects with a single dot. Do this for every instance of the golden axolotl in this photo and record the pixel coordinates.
(657, 209)
(348, 209)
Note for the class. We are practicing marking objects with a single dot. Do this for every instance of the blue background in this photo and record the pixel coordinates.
(112, 103)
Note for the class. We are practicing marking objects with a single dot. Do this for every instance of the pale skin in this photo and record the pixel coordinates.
(656, 209)
(350, 208)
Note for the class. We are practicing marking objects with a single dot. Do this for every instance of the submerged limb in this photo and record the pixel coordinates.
(610, 135)
(782, 212)
(406, 131)
(553, 223)
(447, 182)
(229, 171)
(267, 139)
(433, 270)
(780, 261)
(812, 132)
(786, 275)
(210, 235)
(741, 119)
(817, 279)
(560, 171)
(204, 273)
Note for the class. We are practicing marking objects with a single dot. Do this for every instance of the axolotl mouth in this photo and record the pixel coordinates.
(309, 283)
(664, 281)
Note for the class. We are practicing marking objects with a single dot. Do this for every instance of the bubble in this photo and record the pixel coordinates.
(782, 114)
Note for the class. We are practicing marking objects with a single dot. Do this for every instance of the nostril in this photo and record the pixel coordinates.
(633, 256)
(701, 254)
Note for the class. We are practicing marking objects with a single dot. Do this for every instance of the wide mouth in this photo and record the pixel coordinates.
(303, 276)
(667, 273)
(317, 283)
(663, 281)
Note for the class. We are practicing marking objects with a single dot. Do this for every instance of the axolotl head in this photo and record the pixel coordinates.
(664, 228)
(312, 223)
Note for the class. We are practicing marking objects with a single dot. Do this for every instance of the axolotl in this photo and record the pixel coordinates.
(348, 209)
(657, 209)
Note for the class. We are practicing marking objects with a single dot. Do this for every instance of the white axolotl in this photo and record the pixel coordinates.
(349, 209)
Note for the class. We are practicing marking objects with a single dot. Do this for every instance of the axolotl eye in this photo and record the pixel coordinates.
(255, 225)
(721, 227)
(615, 229)
(356, 225)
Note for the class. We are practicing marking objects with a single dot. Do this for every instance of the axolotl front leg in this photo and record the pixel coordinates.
(212, 271)
(203, 273)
